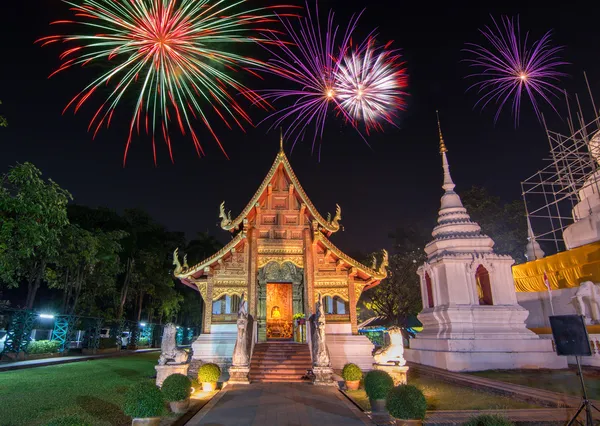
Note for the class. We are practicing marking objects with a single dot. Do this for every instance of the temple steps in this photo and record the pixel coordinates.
(279, 362)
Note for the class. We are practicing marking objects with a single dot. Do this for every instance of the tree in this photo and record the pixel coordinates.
(33, 214)
(3, 120)
(202, 247)
(505, 223)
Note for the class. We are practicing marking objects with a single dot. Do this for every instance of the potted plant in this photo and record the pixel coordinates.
(352, 375)
(145, 403)
(489, 420)
(177, 389)
(208, 375)
(377, 385)
(407, 404)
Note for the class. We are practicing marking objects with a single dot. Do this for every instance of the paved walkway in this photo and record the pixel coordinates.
(280, 404)
(19, 365)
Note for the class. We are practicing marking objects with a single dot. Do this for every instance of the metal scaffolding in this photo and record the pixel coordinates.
(552, 192)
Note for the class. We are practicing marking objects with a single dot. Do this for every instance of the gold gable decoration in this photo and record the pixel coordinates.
(564, 270)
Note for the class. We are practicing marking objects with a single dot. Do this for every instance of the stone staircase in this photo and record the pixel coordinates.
(279, 362)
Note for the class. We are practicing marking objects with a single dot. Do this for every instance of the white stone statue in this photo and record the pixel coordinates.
(320, 353)
(241, 354)
(170, 354)
(394, 352)
(591, 292)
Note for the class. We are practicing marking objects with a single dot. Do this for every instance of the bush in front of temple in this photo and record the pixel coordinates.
(208, 375)
(406, 402)
(143, 401)
(177, 387)
(352, 375)
(43, 347)
(489, 420)
(377, 385)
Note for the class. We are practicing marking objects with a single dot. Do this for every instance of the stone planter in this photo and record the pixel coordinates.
(209, 386)
(180, 407)
(377, 405)
(42, 356)
(400, 422)
(146, 421)
(352, 384)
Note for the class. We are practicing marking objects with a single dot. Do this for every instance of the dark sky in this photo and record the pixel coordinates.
(389, 185)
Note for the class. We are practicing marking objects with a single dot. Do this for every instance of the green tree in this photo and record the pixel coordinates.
(202, 247)
(504, 222)
(33, 214)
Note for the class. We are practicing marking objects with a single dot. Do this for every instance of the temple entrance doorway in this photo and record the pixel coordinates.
(279, 311)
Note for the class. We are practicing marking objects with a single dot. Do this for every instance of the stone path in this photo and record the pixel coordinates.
(524, 393)
(19, 365)
(275, 404)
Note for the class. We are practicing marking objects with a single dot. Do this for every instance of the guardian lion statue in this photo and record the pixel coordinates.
(394, 352)
(170, 354)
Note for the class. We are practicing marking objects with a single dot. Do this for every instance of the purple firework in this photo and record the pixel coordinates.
(309, 62)
(509, 68)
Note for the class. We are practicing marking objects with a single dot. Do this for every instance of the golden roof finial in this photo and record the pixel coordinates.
(442, 144)
(280, 139)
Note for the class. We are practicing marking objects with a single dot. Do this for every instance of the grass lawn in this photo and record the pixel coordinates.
(446, 396)
(563, 381)
(92, 390)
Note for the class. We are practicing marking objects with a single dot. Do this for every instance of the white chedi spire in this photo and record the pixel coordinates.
(533, 251)
(455, 232)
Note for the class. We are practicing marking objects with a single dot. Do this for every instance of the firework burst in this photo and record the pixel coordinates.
(369, 85)
(310, 62)
(175, 57)
(510, 68)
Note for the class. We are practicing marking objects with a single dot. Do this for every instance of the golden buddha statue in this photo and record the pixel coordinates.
(275, 314)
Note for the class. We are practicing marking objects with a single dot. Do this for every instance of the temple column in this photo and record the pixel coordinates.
(309, 272)
(208, 302)
(352, 301)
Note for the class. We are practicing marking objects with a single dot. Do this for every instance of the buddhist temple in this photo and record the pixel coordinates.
(281, 258)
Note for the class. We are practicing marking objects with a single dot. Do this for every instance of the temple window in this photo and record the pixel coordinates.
(226, 305)
(429, 290)
(484, 288)
(335, 305)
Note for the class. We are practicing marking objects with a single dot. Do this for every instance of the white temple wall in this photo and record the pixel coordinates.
(538, 305)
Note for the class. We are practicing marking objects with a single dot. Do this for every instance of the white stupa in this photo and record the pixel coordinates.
(471, 318)
(533, 251)
(586, 213)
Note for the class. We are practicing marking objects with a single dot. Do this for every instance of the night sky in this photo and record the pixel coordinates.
(389, 185)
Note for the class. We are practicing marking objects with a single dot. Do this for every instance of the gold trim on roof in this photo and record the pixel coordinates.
(214, 258)
(377, 274)
(331, 225)
(443, 148)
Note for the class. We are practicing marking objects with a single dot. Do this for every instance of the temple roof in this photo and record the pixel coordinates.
(328, 225)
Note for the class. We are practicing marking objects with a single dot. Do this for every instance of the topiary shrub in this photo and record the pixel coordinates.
(351, 372)
(43, 346)
(176, 387)
(68, 421)
(144, 400)
(406, 402)
(209, 373)
(489, 420)
(378, 384)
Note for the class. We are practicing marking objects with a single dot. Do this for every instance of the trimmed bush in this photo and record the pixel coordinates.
(351, 372)
(209, 373)
(406, 402)
(177, 387)
(489, 420)
(378, 384)
(68, 421)
(107, 343)
(43, 347)
(144, 400)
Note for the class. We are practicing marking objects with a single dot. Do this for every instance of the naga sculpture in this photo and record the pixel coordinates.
(241, 354)
(319, 345)
(335, 223)
(170, 354)
(394, 352)
(178, 267)
(225, 217)
(185, 264)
